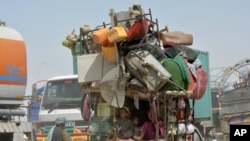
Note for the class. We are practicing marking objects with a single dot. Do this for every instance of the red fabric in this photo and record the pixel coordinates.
(137, 30)
(201, 84)
(180, 115)
(85, 113)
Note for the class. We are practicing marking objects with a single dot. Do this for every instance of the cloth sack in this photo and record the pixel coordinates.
(191, 53)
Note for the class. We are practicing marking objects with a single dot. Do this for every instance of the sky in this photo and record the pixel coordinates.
(221, 28)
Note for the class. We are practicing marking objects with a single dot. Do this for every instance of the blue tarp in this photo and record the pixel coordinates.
(40, 91)
(35, 106)
(34, 111)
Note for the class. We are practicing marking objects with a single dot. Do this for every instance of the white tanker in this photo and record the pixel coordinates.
(13, 81)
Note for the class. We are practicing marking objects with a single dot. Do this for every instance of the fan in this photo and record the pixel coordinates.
(112, 87)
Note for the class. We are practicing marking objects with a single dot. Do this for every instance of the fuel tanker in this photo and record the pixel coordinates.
(13, 81)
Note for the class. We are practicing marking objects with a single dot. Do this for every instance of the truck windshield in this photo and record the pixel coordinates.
(62, 92)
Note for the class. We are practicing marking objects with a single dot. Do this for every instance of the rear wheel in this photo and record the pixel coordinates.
(197, 135)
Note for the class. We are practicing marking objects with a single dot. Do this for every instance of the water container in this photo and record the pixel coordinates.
(100, 35)
(109, 51)
(117, 34)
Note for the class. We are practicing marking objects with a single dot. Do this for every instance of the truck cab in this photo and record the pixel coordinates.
(62, 98)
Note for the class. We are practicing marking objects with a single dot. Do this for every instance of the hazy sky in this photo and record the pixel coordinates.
(220, 27)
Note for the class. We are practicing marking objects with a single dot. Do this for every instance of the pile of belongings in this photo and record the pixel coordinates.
(83, 43)
(153, 58)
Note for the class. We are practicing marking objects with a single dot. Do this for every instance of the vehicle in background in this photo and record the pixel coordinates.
(34, 101)
(13, 82)
(62, 98)
(233, 97)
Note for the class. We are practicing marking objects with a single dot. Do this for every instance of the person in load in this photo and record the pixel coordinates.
(136, 128)
(58, 131)
(124, 124)
(148, 129)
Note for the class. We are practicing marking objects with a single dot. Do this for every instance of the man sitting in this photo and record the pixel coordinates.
(124, 124)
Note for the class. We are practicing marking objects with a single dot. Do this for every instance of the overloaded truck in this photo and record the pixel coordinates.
(130, 62)
(13, 81)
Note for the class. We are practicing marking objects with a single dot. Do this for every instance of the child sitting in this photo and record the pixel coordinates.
(136, 128)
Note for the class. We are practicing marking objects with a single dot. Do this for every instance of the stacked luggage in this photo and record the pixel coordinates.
(159, 59)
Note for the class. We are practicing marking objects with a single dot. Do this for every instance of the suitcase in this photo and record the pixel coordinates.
(147, 69)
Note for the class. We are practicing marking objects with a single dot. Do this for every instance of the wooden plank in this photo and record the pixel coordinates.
(142, 92)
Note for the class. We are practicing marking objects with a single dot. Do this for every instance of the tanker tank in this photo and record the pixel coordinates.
(13, 71)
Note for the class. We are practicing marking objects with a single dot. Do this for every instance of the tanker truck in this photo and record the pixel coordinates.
(13, 81)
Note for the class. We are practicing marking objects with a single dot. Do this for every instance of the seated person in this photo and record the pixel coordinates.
(124, 124)
(148, 129)
(136, 128)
